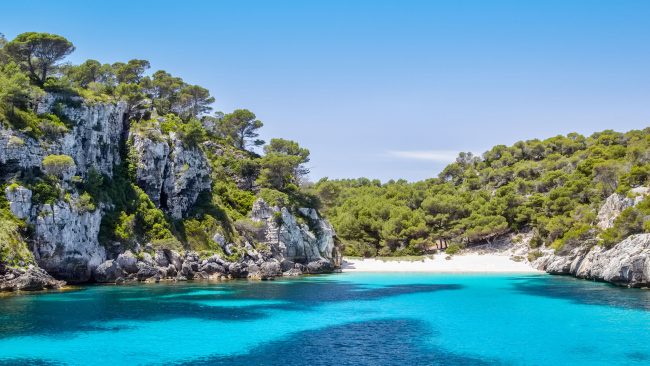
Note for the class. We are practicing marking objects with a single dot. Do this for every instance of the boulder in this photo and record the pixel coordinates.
(32, 279)
(270, 269)
(128, 262)
(161, 258)
(186, 269)
(320, 266)
(212, 268)
(108, 272)
(146, 271)
(292, 272)
(238, 270)
(174, 259)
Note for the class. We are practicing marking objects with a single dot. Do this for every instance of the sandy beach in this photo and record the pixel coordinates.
(466, 263)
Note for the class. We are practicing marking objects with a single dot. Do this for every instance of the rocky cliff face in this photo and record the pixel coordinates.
(289, 249)
(305, 242)
(626, 263)
(64, 237)
(169, 171)
(64, 240)
(616, 203)
(92, 141)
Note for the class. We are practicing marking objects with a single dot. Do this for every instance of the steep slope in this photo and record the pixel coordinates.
(169, 175)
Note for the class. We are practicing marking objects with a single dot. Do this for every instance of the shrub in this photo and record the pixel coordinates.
(85, 203)
(534, 254)
(170, 243)
(45, 192)
(58, 165)
(453, 249)
(274, 197)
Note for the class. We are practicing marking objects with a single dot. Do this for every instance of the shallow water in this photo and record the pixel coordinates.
(343, 319)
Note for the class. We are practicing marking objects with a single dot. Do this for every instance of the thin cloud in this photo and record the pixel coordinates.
(439, 156)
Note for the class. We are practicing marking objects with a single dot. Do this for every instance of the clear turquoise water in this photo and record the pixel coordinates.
(344, 319)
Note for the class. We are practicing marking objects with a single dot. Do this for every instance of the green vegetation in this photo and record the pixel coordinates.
(553, 187)
(14, 251)
(57, 165)
(158, 104)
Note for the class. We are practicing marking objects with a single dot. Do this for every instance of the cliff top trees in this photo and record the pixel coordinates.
(283, 164)
(38, 53)
(240, 127)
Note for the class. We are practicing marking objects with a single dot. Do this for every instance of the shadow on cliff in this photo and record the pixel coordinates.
(85, 310)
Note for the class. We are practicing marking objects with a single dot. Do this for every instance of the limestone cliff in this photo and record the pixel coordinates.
(64, 228)
(626, 263)
(170, 171)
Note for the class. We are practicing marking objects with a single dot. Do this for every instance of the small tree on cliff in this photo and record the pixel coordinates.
(58, 165)
(283, 164)
(240, 127)
(38, 53)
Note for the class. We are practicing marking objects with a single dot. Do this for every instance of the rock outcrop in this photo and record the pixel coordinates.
(91, 142)
(625, 264)
(65, 241)
(616, 203)
(172, 173)
(30, 279)
(311, 241)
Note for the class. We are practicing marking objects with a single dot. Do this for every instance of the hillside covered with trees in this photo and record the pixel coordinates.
(553, 187)
(158, 108)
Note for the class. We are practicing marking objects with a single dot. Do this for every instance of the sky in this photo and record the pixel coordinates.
(382, 89)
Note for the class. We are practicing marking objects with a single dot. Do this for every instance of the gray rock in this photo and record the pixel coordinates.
(33, 279)
(65, 241)
(625, 264)
(108, 271)
(146, 271)
(254, 272)
(296, 242)
(128, 262)
(161, 258)
(174, 259)
(171, 271)
(20, 201)
(286, 265)
(238, 270)
(211, 268)
(91, 142)
(270, 269)
(148, 259)
(616, 203)
(167, 165)
(320, 266)
(293, 272)
(186, 270)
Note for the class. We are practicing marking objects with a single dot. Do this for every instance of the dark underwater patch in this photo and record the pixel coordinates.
(27, 362)
(50, 313)
(373, 343)
(584, 292)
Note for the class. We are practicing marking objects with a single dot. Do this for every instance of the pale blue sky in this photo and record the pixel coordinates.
(383, 89)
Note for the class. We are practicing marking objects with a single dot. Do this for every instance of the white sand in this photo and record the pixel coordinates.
(466, 263)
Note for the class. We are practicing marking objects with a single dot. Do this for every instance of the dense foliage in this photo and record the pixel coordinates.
(553, 187)
(158, 104)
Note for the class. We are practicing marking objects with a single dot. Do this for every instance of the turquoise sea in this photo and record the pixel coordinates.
(339, 319)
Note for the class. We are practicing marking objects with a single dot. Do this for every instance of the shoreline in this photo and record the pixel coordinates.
(460, 263)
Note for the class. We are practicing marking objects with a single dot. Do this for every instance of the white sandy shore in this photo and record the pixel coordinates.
(466, 263)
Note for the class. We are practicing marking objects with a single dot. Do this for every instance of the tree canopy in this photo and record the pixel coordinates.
(38, 53)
